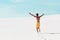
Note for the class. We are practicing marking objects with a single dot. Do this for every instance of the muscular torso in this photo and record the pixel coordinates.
(38, 18)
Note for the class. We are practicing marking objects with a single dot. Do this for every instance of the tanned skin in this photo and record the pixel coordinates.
(37, 18)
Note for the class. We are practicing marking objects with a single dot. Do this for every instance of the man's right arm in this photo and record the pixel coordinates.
(32, 14)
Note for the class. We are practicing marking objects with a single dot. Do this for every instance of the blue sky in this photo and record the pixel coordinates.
(21, 8)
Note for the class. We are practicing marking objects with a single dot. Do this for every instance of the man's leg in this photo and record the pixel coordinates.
(38, 26)
(39, 29)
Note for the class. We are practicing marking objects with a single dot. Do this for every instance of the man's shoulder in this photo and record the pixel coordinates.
(37, 16)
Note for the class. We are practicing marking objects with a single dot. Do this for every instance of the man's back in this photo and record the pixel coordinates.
(38, 18)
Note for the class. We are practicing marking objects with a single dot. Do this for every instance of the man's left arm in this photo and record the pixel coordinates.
(41, 15)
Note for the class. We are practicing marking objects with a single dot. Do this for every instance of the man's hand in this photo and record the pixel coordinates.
(31, 14)
(42, 15)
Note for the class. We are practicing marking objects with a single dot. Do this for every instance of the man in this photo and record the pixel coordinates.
(38, 21)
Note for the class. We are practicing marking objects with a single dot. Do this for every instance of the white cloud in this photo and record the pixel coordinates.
(7, 11)
(17, 1)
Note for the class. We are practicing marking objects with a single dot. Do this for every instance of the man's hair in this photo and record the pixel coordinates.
(37, 14)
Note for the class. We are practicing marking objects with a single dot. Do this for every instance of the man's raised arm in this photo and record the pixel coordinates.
(41, 15)
(32, 14)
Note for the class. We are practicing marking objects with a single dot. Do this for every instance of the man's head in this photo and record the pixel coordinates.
(37, 14)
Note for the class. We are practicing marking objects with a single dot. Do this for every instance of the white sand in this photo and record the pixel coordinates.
(24, 28)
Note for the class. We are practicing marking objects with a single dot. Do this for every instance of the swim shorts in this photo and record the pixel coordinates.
(37, 25)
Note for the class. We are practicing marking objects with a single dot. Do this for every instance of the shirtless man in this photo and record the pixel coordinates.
(38, 21)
